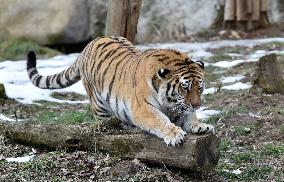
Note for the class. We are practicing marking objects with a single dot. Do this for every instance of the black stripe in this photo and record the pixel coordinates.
(127, 117)
(34, 72)
(105, 71)
(37, 80)
(150, 103)
(168, 89)
(108, 44)
(47, 83)
(174, 86)
(58, 80)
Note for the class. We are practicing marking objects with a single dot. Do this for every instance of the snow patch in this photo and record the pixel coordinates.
(20, 159)
(18, 86)
(200, 54)
(238, 86)
(209, 90)
(231, 79)
(190, 47)
(203, 113)
(229, 64)
(5, 118)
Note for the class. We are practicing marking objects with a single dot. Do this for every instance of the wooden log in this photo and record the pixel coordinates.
(122, 18)
(198, 152)
(268, 75)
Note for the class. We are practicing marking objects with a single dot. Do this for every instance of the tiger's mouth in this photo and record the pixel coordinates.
(181, 109)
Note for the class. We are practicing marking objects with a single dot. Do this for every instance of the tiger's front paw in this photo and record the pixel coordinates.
(174, 136)
(201, 128)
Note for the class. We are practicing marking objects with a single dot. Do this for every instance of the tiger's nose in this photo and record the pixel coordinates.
(195, 105)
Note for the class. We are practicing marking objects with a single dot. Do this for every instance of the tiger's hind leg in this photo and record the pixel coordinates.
(97, 106)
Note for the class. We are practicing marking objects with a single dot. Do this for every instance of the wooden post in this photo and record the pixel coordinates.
(244, 14)
(122, 18)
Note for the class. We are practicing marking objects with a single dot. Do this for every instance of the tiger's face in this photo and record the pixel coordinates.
(181, 88)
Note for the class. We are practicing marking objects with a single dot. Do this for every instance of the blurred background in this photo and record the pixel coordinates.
(68, 25)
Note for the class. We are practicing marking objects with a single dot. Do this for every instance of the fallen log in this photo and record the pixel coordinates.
(198, 152)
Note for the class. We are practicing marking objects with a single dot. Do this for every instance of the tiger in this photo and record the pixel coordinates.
(156, 90)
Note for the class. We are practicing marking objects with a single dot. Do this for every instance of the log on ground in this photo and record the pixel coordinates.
(198, 152)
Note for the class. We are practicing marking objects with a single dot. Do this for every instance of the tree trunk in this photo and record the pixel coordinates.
(122, 18)
(199, 153)
(268, 75)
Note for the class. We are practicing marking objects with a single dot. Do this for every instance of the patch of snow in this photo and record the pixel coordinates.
(190, 47)
(259, 53)
(20, 159)
(209, 90)
(238, 86)
(18, 86)
(234, 54)
(229, 64)
(236, 171)
(5, 118)
(200, 54)
(203, 113)
(231, 79)
(254, 115)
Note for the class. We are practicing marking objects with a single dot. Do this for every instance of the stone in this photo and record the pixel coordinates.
(2, 92)
(46, 22)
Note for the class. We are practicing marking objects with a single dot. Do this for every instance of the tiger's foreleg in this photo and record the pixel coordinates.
(193, 125)
(154, 121)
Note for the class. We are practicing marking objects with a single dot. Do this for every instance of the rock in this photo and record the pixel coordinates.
(47, 22)
(2, 92)
(57, 22)
(268, 76)
(174, 20)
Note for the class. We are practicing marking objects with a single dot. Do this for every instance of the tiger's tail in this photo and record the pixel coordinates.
(60, 80)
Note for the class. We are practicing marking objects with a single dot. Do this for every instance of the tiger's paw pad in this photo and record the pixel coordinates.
(175, 136)
(202, 128)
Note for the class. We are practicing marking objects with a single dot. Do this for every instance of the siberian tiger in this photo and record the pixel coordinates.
(157, 90)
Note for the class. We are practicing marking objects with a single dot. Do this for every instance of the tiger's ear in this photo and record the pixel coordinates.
(200, 64)
(164, 73)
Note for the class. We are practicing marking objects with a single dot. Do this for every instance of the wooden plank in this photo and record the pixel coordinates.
(230, 10)
(256, 10)
(264, 4)
(241, 10)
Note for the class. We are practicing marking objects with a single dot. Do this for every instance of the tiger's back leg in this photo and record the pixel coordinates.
(97, 105)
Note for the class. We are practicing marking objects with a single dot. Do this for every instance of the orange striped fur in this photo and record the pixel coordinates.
(157, 90)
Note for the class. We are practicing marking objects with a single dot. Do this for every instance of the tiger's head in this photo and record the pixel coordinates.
(178, 81)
